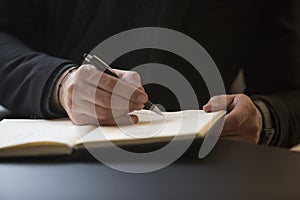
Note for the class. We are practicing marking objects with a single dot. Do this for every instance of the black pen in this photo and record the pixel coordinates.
(101, 65)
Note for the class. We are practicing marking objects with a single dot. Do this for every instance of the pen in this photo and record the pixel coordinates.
(100, 64)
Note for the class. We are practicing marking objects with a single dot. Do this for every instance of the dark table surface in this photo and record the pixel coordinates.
(231, 171)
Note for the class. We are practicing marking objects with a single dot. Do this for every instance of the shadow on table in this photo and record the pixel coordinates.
(79, 156)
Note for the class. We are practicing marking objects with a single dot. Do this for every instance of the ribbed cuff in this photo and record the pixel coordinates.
(46, 109)
(270, 133)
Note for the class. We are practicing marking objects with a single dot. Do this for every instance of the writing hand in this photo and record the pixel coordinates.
(243, 123)
(88, 91)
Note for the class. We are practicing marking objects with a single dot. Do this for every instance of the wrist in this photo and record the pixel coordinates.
(55, 103)
(268, 131)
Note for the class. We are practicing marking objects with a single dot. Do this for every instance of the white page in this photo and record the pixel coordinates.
(152, 126)
(17, 132)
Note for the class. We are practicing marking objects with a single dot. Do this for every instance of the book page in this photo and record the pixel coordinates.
(153, 127)
(24, 132)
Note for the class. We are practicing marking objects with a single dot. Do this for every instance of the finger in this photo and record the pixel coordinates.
(242, 139)
(82, 119)
(105, 99)
(232, 138)
(245, 135)
(141, 88)
(88, 120)
(121, 88)
(121, 121)
(105, 114)
(95, 78)
(218, 103)
(130, 77)
(110, 101)
(114, 101)
(230, 133)
(89, 109)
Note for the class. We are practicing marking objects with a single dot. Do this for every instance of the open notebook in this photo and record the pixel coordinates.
(20, 137)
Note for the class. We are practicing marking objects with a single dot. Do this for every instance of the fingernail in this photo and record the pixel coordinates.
(134, 119)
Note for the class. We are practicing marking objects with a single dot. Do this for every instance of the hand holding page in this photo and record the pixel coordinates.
(296, 148)
(54, 137)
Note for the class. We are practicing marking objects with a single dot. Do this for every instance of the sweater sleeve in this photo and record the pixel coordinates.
(274, 73)
(27, 74)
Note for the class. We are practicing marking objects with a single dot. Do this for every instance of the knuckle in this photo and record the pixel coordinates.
(106, 100)
(107, 82)
(214, 98)
(254, 130)
(242, 97)
(103, 122)
(135, 75)
(76, 119)
(101, 115)
(218, 99)
(239, 96)
(132, 106)
(133, 78)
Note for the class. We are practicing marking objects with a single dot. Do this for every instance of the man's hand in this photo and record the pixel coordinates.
(243, 123)
(90, 96)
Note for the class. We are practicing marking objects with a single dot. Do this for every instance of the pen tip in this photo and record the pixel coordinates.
(157, 111)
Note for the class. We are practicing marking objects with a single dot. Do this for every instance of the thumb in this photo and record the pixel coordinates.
(218, 103)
